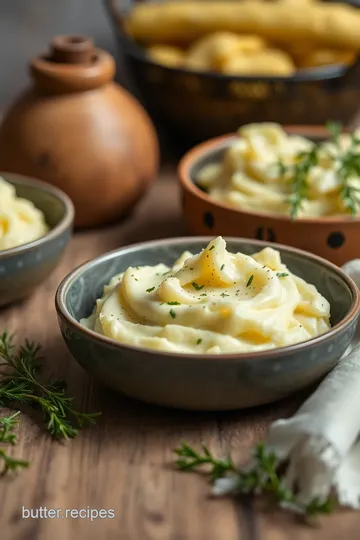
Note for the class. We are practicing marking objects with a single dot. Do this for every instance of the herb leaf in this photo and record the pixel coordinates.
(196, 286)
(172, 313)
(261, 477)
(281, 274)
(298, 174)
(334, 128)
(21, 383)
(250, 280)
(189, 459)
(347, 167)
(150, 290)
(173, 303)
(7, 436)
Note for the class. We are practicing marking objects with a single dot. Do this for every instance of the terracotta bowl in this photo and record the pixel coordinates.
(335, 239)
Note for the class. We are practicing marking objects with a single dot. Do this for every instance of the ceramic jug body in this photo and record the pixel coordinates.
(78, 130)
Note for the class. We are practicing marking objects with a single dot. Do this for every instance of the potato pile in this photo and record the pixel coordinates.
(247, 37)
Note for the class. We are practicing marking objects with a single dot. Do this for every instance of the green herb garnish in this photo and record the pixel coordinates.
(250, 280)
(172, 313)
(173, 303)
(299, 174)
(281, 168)
(189, 459)
(211, 248)
(224, 294)
(199, 341)
(7, 436)
(347, 163)
(335, 129)
(281, 274)
(348, 167)
(196, 286)
(151, 289)
(21, 383)
(262, 477)
(222, 267)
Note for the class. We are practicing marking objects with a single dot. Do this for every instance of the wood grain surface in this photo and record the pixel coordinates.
(125, 463)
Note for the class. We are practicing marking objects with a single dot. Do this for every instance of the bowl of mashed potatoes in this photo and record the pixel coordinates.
(298, 186)
(207, 323)
(35, 228)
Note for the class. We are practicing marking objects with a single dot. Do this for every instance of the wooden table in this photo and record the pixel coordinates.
(125, 463)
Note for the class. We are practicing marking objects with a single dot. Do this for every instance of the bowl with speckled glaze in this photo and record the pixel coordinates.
(199, 381)
(24, 267)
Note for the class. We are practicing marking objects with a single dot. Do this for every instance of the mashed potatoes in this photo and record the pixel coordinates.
(20, 221)
(257, 174)
(214, 302)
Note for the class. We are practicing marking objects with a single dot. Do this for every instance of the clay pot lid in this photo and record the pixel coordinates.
(72, 50)
(73, 64)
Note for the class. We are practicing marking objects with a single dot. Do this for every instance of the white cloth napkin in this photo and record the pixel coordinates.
(320, 443)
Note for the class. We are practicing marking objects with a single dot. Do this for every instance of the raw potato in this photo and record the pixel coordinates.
(166, 55)
(324, 24)
(266, 62)
(299, 49)
(325, 57)
(213, 51)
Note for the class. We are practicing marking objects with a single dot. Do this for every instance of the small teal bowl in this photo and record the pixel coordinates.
(24, 267)
(204, 382)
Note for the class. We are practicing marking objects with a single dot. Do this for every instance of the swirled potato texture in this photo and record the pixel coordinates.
(211, 303)
(20, 221)
(249, 176)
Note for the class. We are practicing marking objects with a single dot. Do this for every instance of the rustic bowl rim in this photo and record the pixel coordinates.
(209, 146)
(64, 224)
(65, 285)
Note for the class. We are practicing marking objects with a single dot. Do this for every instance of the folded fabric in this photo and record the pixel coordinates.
(320, 443)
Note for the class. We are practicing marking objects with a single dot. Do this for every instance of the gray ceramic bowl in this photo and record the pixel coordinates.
(25, 267)
(204, 382)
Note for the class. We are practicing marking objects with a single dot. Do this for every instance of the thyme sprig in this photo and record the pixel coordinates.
(7, 436)
(189, 459)
(21, 384)
(348, 167)
(261, 477)
(298, 175)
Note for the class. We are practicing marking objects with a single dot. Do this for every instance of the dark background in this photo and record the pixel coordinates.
(26, 27)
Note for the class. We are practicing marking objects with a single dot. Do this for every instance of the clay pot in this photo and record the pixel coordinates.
(333, 238)
(78, 130)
